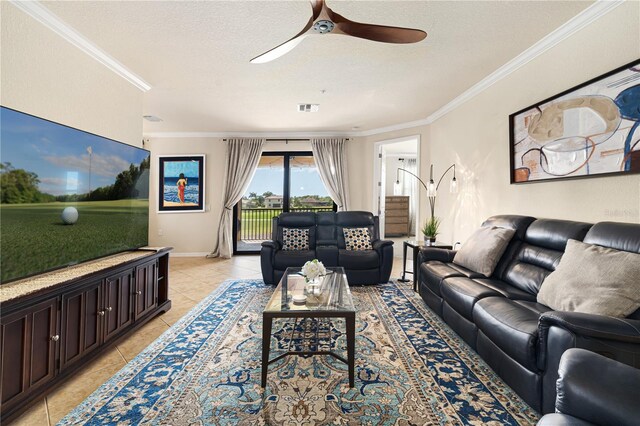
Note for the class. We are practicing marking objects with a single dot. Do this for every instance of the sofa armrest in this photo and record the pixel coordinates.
(271, 244)
(559, 331)
(378, 244)
(597, 389)
(594, 326)
(326, 243)
(433, 253)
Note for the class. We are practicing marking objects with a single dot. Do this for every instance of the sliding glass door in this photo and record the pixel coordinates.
(283, 182)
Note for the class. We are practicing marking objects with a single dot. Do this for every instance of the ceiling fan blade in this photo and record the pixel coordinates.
(374, 32)
(316, 6)
(381, 33)
(284, 48)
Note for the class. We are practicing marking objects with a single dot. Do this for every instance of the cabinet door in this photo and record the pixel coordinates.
(29, 339)
(82, 321)
(118, 304)
(146, 294)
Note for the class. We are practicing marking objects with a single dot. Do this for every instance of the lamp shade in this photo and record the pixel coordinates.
(397, 188)
(453, 186)
(431, 189)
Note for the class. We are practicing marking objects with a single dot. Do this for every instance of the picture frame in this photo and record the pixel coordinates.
(181, 183)
(590, 130)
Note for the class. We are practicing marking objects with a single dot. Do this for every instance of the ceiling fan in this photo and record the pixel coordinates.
(325, 21)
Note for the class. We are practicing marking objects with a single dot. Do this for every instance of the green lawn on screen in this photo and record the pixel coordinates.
(34, 238)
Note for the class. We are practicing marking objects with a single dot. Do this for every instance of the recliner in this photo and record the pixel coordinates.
(327, 244)
(594, 391)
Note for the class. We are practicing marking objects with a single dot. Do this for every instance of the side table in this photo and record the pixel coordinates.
(416, 245)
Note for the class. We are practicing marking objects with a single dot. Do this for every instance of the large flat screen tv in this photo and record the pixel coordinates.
(46, 168)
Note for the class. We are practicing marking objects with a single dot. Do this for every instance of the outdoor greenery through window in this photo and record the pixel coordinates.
(282, 182)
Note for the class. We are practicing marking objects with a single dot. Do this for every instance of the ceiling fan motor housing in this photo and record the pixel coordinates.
(324, 26)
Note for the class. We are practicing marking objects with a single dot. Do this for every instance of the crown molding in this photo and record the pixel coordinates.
(47, 18)
(566, 30)
(283, 135)
(573, 25)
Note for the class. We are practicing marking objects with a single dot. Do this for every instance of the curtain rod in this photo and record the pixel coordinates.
(285, 139)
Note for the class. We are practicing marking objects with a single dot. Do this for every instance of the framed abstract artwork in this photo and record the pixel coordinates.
(181, 183)
(589, 130)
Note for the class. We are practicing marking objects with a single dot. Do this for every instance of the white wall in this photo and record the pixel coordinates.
(44, 75)
(188, 232)
(476, 137)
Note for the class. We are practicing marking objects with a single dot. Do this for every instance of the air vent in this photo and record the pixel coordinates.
(152, 118)
(308, 107)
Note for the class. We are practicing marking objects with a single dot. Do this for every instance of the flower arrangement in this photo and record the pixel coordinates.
(313, 269)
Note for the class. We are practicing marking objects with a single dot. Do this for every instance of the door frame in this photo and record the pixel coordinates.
(378, 184)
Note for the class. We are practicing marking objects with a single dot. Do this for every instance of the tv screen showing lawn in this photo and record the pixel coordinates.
(66, 196)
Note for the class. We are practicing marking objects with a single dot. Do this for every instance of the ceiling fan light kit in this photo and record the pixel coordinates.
(325, 21)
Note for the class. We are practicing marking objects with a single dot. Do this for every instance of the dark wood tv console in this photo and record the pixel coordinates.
(53, 324)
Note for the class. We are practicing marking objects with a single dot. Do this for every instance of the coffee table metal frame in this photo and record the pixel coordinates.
(350, 321)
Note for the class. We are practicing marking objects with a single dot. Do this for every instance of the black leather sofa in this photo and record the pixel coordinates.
(594, 391)
(327, 244)
(499, 317)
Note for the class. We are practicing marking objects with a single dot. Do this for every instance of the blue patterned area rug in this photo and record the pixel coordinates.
(411, 369)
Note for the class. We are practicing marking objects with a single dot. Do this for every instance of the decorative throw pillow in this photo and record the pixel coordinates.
(295, 239)
(357, 239)
(484, 248)
(593, 280)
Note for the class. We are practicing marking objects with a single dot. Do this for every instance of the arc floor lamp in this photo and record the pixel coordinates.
(432, 187)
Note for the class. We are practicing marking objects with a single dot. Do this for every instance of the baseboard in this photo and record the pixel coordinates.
(194, 254)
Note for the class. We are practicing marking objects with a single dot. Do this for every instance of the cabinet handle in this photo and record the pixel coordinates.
(109, 309)
(101, 313)
(55, 338)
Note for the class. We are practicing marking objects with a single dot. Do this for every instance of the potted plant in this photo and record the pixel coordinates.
(430, 229)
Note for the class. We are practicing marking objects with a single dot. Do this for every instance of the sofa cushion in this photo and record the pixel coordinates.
(357, 239)
(350, 259)
(284, 259)
(432, 273)
(594, 280)
(462, 293)
(295, 239)
(484, 248)
(507, 290)
(511, 326)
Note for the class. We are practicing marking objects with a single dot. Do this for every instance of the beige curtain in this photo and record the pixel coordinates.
(243, 156)
(331, 158)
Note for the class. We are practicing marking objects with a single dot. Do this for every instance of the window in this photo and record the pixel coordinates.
(283, 182)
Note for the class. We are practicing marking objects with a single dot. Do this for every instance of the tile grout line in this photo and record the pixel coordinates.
(121, 355)
(46, 410)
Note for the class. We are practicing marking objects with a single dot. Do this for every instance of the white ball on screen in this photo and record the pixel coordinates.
(69, 215)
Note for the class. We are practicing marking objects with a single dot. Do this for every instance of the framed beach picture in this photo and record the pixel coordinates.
(181, 183)
(590, 130)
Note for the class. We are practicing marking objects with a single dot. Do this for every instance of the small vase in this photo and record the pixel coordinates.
(429, 240)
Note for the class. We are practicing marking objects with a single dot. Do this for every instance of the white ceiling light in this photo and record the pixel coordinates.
(308, 107)
(152, 118)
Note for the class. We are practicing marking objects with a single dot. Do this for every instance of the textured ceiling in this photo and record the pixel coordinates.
(196, 56)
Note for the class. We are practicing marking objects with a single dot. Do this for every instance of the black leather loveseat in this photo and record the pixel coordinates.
(500, 318)
(327, 244)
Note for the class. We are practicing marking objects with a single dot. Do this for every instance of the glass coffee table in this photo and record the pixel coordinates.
(329, 298)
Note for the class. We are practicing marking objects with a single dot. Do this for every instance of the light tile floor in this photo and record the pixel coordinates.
(190, 280)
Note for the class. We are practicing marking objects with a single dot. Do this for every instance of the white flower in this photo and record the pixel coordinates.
(313, 269)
